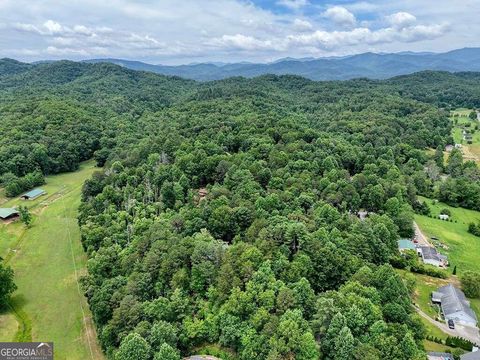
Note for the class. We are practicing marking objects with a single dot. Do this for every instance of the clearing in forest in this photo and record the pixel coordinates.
(48, 259)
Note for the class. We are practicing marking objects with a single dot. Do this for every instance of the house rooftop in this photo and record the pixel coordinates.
(34, 193)
(454, 300)
(406, 244)
(7, 212)
(475, 355)
(430, 253)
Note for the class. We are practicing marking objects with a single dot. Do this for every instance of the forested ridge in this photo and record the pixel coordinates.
(226, 212)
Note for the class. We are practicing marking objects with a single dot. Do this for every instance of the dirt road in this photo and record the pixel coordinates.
(420, 237)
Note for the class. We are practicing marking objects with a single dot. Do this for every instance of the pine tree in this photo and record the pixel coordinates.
(344, 345)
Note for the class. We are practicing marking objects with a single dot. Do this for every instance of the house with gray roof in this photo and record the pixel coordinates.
(33, 194)
(474, 355)
(454, 305)
(431, 256)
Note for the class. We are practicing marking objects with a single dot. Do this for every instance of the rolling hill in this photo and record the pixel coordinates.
(370, 65)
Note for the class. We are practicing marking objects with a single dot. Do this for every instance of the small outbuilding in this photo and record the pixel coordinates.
(33, 194)
(8, 214)
(362, 214)
(443, 217)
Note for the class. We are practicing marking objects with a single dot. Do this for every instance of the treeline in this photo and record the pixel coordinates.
(16, 185)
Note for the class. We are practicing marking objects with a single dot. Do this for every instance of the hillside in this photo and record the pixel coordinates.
(369, 65)
(225, 216)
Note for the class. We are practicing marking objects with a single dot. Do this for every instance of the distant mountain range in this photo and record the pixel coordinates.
(366, 65)
(370, 65)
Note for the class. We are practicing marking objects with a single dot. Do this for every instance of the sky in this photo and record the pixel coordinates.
(189, 31)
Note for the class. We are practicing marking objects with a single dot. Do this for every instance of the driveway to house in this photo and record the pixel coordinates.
(420, 237)
(466, 332)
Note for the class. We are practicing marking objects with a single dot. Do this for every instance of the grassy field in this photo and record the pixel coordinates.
(433, 346)
(470, 151)
(47, 260)
(8, 326)
(463, 248)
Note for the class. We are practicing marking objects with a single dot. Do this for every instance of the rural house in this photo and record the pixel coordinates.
(454, 305)
(8, 214)
(33, 194)
(431, 256)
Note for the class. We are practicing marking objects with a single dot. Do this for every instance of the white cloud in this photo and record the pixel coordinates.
(53, 27)
(340, 16)
(401, 20)
(172, 31)
(53, 50)
(358, 36)
(27, 28)
(293, 4)
(302, 25)
(242, 42)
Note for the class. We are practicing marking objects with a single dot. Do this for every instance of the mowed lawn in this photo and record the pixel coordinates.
(463, 247)
(43, 258)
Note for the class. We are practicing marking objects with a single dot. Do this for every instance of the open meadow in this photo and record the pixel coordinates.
(48, 259)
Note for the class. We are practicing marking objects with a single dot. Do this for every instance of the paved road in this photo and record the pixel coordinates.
(465, 332)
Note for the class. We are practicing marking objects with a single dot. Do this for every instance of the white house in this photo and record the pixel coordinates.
(431, 256)
(443, 217)
(455, 305)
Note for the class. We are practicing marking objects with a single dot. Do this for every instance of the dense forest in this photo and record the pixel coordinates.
(227, 212)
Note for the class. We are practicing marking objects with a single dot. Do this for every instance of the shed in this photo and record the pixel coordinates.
(8, 214)
(455, 305)
(443, 217)
(362, 215)
(33, 194)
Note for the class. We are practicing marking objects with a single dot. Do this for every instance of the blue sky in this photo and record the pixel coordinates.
(185, 31)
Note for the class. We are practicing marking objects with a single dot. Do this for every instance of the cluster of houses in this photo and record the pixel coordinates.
(429, 254)
(8, 215)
